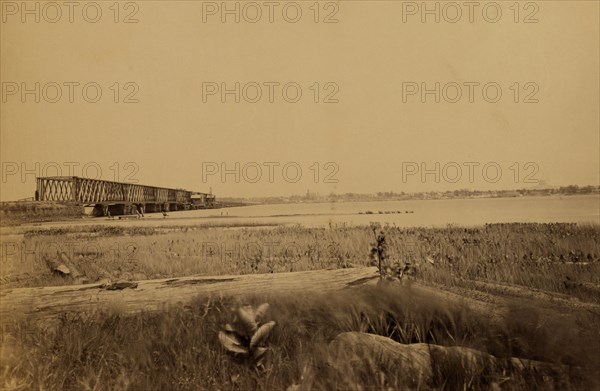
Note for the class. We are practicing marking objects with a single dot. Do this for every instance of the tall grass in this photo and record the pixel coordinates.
(561, 258)
(179, 350)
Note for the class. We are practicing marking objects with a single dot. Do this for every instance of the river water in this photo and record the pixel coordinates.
(412, 213)
(468, 212)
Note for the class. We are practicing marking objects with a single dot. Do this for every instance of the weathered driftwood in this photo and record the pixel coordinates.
(151, 295)
(46, 302)
(421, 362)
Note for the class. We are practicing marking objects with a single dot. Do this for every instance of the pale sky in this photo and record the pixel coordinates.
(369, 135)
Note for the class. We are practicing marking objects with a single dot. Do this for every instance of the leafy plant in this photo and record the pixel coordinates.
(379, 257)
(245, 338)
(378, 254)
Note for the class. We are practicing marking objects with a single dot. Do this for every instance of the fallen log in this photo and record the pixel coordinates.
(150, 295)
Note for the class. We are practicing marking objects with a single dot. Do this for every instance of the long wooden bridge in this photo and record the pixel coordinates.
(112, 198)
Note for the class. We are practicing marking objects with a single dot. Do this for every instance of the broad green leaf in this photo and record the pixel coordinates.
(261, 311)
(261, 334)
(248, 320)
(231, 342)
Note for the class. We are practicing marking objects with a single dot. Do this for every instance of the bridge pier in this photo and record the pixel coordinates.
(153, 208)
(130, 208)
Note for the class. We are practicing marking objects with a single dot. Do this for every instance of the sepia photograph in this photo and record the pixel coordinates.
(336, 195)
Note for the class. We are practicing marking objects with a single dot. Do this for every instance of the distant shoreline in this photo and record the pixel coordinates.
(352, 197)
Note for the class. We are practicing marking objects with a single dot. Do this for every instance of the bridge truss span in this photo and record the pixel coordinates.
(117, 197)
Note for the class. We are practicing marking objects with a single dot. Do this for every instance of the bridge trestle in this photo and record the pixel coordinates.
(115, 196)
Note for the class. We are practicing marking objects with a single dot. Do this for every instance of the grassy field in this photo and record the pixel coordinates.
(561, 258)
(178, 349)
(19, 212)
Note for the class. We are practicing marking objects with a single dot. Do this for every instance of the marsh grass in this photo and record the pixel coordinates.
(178, 349)
(561, 258)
